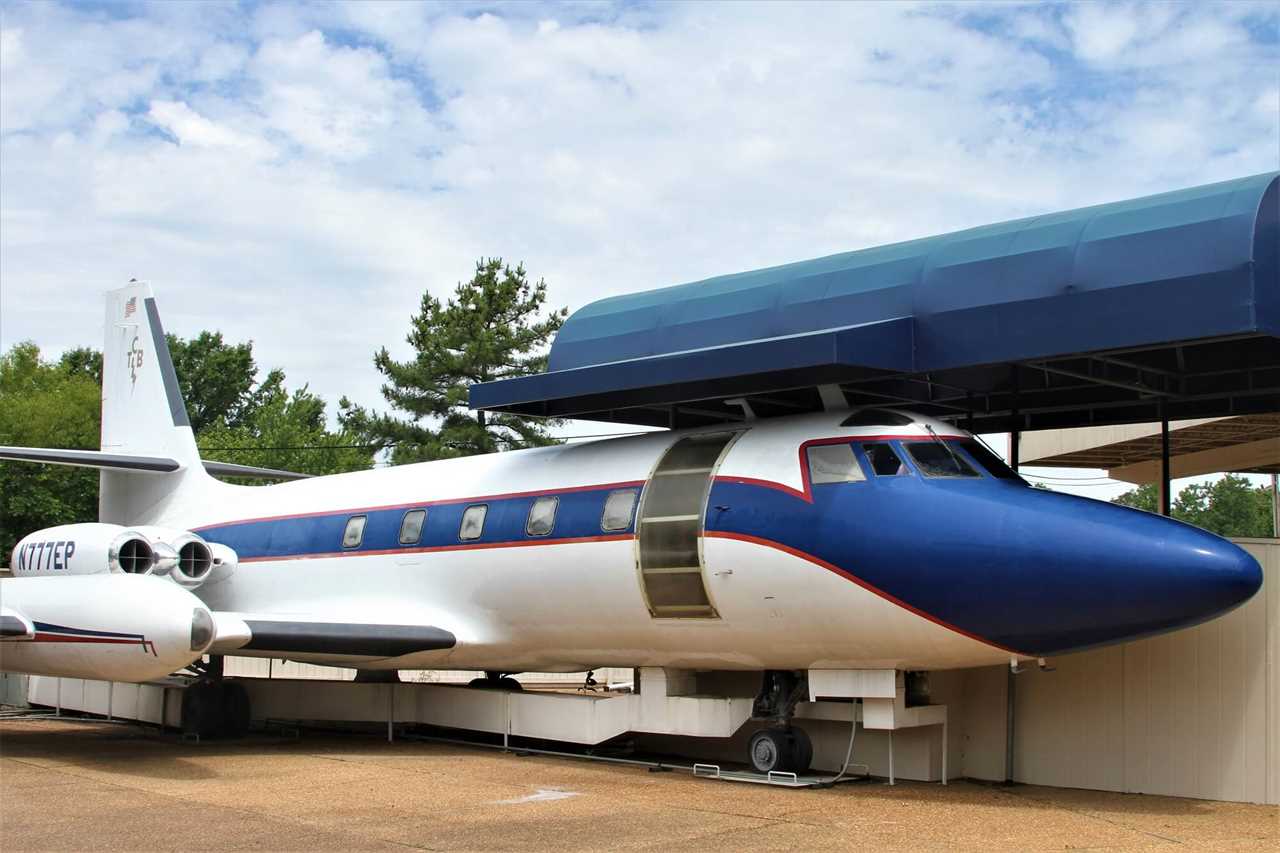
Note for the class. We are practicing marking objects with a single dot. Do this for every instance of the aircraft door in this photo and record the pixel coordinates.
(670, 525)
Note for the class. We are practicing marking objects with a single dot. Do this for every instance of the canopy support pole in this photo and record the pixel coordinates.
(1166, 500)
(1015, 439)
(1275, 505)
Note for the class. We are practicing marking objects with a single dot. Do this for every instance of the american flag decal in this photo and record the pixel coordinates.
(130, 307)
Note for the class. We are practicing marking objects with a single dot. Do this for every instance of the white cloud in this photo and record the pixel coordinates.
(191, 128)
(298, 174)
(1102, 32)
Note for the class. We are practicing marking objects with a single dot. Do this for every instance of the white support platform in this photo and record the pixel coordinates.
(575, 718)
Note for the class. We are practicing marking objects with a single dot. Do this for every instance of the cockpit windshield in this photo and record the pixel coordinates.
(935, 459)
(884, 461)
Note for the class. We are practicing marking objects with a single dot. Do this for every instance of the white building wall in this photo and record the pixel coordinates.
(1195, 713)
(246, 667)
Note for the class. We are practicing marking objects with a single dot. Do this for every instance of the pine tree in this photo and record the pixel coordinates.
(492, 328)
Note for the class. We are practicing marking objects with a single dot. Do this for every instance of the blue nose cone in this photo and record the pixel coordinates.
(1121, 574)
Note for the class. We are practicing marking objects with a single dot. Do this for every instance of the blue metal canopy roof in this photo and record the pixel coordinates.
(1052, 301)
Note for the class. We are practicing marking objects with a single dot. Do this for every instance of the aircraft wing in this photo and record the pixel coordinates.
(264, 635)
(130, 462)
(126, 627)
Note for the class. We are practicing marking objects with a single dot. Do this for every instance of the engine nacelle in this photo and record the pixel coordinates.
(225, 561)
(97, 548)
(106, 626)
(89, 549)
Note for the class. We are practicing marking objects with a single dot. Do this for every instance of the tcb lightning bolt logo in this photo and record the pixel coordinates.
(134, 360)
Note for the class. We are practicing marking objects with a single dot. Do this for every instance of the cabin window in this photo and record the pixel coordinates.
(542, 516)
(987, 458)
(618, 508)
(833, 463)
(884, 460)
(411, 526)
(935, 459)
(473, 522)
(354, 533)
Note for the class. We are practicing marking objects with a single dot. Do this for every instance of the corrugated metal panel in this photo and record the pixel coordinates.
(1195, 713)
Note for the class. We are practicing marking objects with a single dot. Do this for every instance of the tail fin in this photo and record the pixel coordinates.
(149, 457)
(142, 409)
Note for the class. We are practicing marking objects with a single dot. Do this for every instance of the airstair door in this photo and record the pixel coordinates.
(672, 510)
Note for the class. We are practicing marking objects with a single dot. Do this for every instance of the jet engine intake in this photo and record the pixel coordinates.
(193, 558)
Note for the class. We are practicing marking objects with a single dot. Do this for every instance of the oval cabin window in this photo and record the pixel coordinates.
(542, 517)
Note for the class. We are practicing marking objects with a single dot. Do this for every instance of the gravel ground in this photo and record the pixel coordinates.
(80, 785)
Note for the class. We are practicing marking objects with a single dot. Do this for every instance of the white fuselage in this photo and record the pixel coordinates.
(556, 605)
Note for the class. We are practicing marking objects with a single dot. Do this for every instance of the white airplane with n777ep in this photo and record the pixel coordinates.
(855, 539)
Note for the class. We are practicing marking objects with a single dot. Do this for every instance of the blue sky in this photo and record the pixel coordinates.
(298, 173)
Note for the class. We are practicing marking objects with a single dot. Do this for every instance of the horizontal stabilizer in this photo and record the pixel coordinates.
(131, 462)
(230, 469)
(90, 459)
(326, 638)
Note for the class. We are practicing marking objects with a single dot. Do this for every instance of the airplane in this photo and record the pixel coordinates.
(860, 538)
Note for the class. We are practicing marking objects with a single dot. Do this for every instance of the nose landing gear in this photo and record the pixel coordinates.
(496, 681)
(214, 706)
(781, 747)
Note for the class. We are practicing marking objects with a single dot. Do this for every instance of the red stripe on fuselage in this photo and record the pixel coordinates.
(629, 484)
(80, 638)
(847, 575)
(43, 637)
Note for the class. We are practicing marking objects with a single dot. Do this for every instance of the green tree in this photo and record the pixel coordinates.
(1145, 497)
(217, 379)
(1228, 506)
(83, 361)
(287, 431)
(45, 405)
(492, 328)
(58, 404)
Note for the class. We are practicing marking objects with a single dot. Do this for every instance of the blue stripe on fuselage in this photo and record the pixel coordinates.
(578, 515)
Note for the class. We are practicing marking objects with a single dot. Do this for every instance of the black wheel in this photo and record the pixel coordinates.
(202, 709)
(768, 750)
(508, 683)
(235, 709)
(481, 683)
(801, 748)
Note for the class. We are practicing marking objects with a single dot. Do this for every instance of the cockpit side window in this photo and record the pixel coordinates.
(884, 459)
(995, 466)
(833, 463)
(935, 459)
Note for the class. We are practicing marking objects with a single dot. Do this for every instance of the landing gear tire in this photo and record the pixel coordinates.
(215, 708)
(503, 683)
(801, 750)
(780, 749)
(235, 709)
(202, 709)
